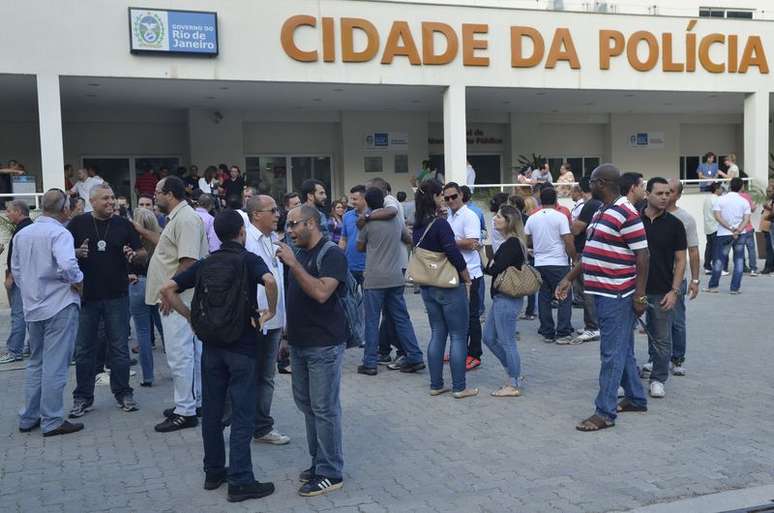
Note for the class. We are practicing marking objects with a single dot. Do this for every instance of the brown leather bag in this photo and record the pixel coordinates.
(516, 282)
(431, 268)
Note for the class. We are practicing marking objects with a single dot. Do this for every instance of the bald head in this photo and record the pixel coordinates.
(677, 186)
(607, 172)
(55, 204)
(262, 212)
(604, 182)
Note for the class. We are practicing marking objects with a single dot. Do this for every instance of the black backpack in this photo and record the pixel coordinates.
(222, 302)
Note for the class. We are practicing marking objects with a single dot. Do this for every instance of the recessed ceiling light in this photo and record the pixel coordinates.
(416, 101)
(507, 102)
(338, 90)
(541, 93)
(629, 95)
(316, 99)
(223, 88)
(667, 103)
(91, 95)
(712, 96)
(554, 110)
(209, 97)
(588, 104)
(93, 84)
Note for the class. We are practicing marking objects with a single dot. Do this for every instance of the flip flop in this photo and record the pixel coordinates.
(594, 423)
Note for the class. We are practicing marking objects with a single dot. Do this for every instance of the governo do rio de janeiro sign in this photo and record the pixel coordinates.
(641, 50)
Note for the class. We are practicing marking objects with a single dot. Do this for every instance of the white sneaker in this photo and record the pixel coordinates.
(646, 370)
(724, 273)
(657, 389)
(273, 437)
(102, 379)
(621, 392)
(707, 271)
(587, 336)
(678, 370)
(753, 273)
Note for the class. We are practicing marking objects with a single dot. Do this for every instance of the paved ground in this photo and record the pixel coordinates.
(406, 451)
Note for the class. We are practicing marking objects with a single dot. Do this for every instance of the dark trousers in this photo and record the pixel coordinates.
(233, 374)
(115, 313)
(708, 250)
(474, 319)
(264, 373)
(552, 275)
(769, 253)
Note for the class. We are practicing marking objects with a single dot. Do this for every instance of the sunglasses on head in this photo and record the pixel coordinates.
(451, 197)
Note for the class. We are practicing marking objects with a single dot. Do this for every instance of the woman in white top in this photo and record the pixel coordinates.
(208, 184)
(565, 179)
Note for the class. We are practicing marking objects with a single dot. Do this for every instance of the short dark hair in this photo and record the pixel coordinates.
(585, 184)
(653, 181)
(500, 198)
(627, 181)
(517, 200)
(227, 224)
(548, 196)
(289, 196)
(234, 201)
(374, 197)
(308, 187)
(147, 196)
(358, 188)
(308, 212)
(452, 185)
(174, 185)
(401, 196)
(714, 186)
(466, 194)
(736, 184)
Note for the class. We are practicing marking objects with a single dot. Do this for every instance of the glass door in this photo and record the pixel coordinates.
(269, 174)
(305, 167)
(115, 171)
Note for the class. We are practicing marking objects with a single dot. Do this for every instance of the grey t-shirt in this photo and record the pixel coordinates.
(691, 235)
(384, 253)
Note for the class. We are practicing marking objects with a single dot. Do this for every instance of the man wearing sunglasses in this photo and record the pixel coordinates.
(467, 233)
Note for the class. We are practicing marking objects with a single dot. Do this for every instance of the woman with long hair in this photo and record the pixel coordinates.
(335, 221)
(447, 308)
(500, 327)
(142, 314)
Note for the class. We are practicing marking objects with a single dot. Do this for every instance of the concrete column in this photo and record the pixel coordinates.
(50, 120)
(455, 144)
(756, 137)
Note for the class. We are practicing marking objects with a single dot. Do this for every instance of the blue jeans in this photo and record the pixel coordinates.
(228, 373)
(678, 327)
(616, 348)
(721, 249)
(265, 367)
(500, 333)
(752, 256)
(447, 311)
(143, 325)
(115, 313)
(391, 299)
(552, 275)
(316, 375)
(15, 341)
(51, 349)
(660, 325)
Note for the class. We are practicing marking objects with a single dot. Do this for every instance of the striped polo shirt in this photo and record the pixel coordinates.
(609, 263)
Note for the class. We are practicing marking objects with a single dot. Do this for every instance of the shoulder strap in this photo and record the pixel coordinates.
(425, 232)
(321, 254)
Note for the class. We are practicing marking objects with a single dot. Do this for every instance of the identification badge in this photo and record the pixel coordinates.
(101, 245)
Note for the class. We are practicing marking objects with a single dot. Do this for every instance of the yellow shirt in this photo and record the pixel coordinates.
(183, 237)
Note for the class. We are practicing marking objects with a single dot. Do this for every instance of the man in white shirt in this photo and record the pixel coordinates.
(710, 223)
(263, 213)
(83, 186)
(548, 233)
(470, 177)
(732, 213)
(467, 233)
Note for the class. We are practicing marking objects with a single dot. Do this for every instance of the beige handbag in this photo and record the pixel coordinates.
(516, 282)
(431, 268)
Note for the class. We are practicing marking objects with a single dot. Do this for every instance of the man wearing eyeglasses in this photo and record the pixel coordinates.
(467, 233)
(260, 240)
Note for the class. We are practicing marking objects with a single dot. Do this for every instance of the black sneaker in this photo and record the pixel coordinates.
(320, 485)
(80, 407)
(213, 480)
(128, 404)
(412, 367)
(383, 359)
(255, 490)
(176, 422)
(368, 371)
(306, 475)
(171, 411)
(65, 429)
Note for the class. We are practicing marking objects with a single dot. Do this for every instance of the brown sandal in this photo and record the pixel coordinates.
(594, 423)
(627, 406)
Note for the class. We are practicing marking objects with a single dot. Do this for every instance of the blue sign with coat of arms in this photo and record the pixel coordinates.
(173, 32)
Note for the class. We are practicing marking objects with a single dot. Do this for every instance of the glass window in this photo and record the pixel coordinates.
(576, 166)
(589, 164)
(268, 174)
(115, 171)
(303, 168)
(739, 14)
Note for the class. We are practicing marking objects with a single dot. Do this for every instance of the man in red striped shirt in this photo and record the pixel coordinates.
(615, 271)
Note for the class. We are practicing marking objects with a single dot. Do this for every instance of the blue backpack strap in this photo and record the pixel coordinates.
(328, 245)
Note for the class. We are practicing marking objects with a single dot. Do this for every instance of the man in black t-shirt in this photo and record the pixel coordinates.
(229, 369)
(104, 244)
(579, 227)
(667, 243)
(316, 334)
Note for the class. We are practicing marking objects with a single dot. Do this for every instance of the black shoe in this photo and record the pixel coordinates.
(171, 411)
(65, 429)
(383, 359)
(33, 427)
(128, 404)
(80, 407)
(176, 422)
(320, 485)
(213, 480)
(147, 384)
(368, 371)
(254, 490)
(412, 367)
(306, 475)
(283, 370)
(132, 362)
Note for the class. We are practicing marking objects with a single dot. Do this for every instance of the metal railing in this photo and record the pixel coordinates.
(21, 195)
(688, 184)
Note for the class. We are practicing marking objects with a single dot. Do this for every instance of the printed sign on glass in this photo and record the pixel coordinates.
(173, 32)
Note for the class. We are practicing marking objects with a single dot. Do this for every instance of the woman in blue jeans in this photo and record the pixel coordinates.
(142, 314)
(447, 308)
(500, 327)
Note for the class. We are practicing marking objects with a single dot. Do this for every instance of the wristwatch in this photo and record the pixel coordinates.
(642, 300)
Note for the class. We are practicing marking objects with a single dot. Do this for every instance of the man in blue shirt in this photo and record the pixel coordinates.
(349, 232)
(706, 170)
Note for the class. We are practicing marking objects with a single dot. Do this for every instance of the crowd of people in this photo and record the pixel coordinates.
(239, 287)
